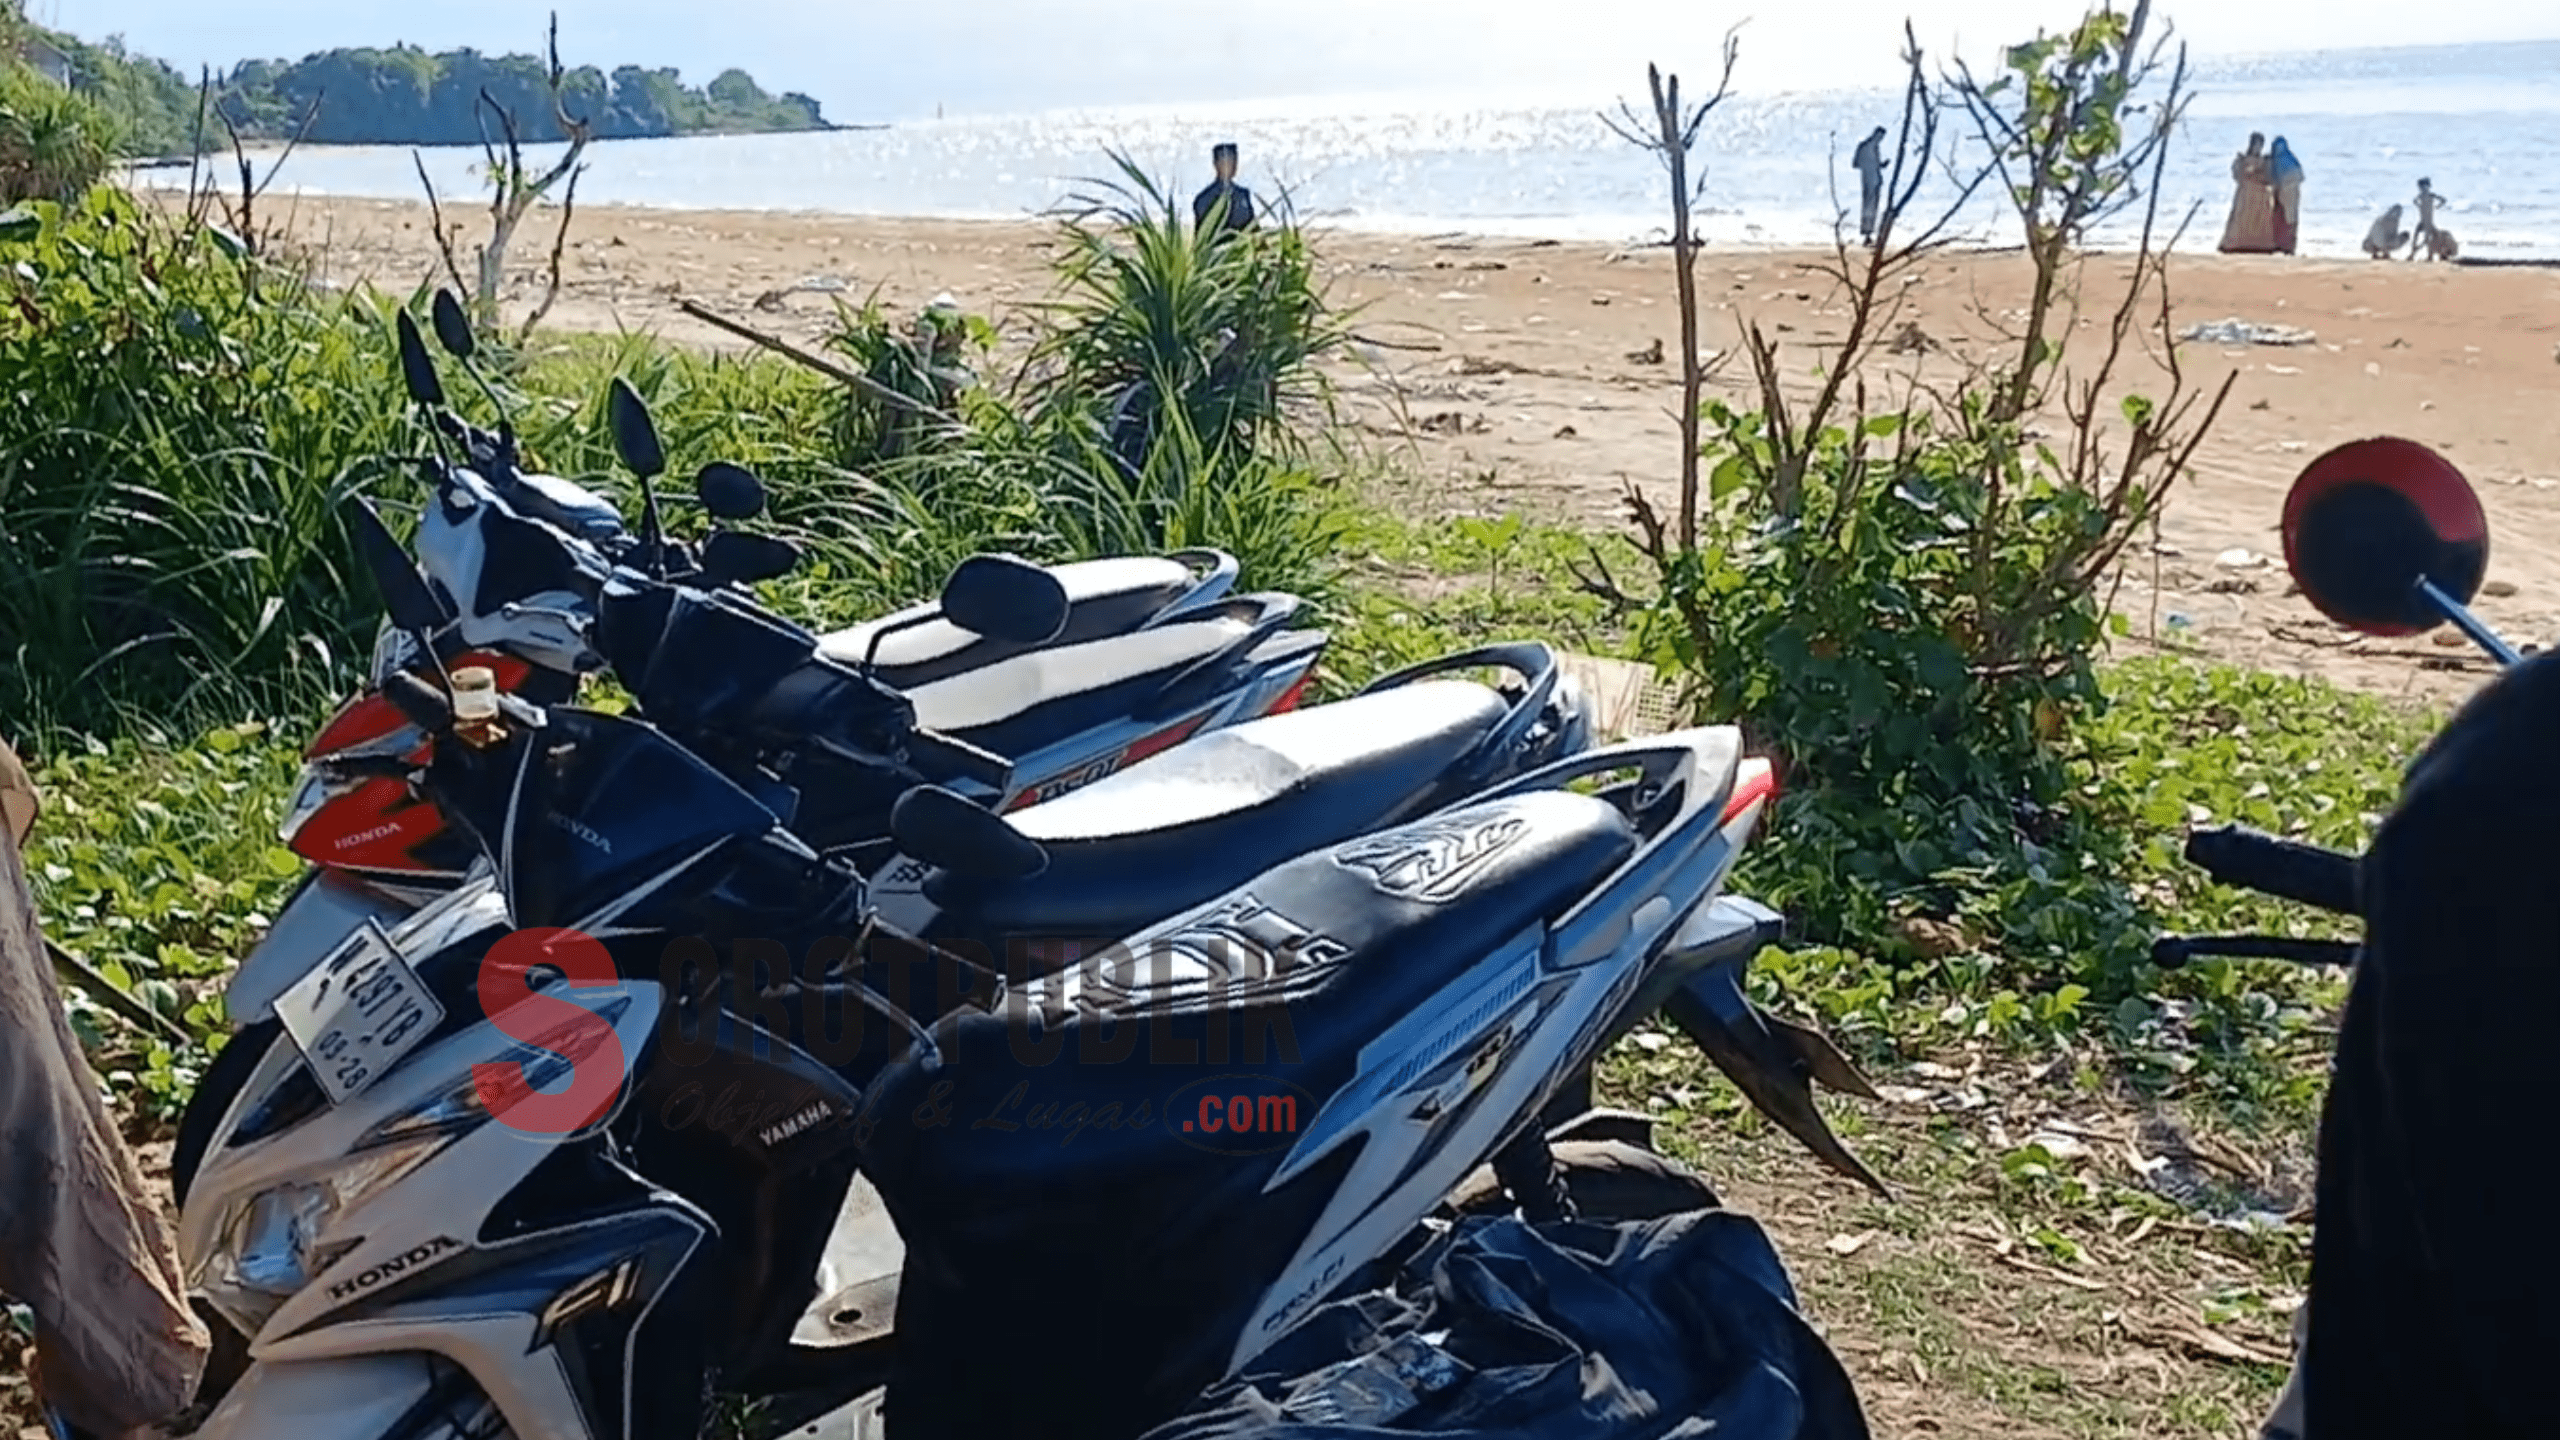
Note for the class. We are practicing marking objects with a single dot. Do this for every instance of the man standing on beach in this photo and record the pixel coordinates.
(1869, 163)
(1237, 200)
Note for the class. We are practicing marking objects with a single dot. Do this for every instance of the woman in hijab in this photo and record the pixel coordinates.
(2286, 172)
(2251, 230)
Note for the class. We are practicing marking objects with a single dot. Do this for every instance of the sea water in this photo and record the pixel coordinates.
(2481, 121)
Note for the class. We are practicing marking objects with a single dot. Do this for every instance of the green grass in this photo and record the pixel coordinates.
(186, 423)
(158, 863)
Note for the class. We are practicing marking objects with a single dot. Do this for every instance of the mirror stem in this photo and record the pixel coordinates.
(506, 425)
(2468, 623)
(653, 530)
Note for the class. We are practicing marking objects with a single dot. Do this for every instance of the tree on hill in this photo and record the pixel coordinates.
(404, 95)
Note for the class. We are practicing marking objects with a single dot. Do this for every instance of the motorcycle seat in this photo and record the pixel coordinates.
(1104, 597)
(1016, 707)
(1354, 982)
(1204, 816)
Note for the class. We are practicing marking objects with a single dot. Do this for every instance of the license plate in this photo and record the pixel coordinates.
(359, 1013)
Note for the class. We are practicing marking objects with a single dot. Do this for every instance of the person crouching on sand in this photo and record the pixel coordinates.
(2386, 237)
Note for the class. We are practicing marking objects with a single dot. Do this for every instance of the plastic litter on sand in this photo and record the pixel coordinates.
(2233, 330)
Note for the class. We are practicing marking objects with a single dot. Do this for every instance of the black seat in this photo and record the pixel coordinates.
(1023, 705)
(1046, 1162)
(1202, 817)
(1104, 597)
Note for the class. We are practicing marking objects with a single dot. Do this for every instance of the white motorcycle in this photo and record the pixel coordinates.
(1337, 1044)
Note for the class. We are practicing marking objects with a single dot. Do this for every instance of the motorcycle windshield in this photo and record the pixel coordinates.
(571, 506)
(485, 552)
(697, 660)
(606, 810)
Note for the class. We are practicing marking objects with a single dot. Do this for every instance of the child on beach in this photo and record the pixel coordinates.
(2427, 238)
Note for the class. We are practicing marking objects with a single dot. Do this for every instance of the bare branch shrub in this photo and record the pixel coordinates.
(1671, 133)
(513, 192)
(1895, 583)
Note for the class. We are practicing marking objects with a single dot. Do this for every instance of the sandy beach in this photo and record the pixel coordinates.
(1515, 374)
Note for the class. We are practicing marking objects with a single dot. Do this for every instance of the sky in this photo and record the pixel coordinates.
(891, 61)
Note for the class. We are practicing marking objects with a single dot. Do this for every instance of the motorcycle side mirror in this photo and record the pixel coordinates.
(417, 368)
(635, 439)
(733, 557)
(2385, 536)
(635, 435)
(935, 826)
(453, 328)
(729, 492)
(1005, 598)
(405, 594)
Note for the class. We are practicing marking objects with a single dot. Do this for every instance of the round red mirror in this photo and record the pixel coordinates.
(2366, 522)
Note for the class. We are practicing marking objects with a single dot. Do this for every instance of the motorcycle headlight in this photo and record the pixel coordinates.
(270, 1245)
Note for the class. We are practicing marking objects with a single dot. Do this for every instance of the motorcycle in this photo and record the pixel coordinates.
(1292, 779)
(1173, 830)
(410, 1258)
(1154, 650)
(2386, 538)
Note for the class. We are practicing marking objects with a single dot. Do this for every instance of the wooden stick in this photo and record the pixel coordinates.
(78, 973)
(1432, 346)
(819, 363)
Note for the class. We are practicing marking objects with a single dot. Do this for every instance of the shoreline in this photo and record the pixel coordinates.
(1502, 373)
(1526, 232)
(1531, 230)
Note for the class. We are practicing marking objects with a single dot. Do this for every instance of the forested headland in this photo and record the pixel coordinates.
(406, 96)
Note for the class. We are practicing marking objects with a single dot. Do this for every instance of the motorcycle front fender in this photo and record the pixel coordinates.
(366, 1397)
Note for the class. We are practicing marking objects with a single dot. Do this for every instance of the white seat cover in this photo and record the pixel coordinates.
(991, 693)
(1083, 580)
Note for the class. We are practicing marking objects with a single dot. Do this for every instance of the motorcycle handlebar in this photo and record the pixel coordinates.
(479, 444)
(941, 754)
(2288, 869)
(424, 704)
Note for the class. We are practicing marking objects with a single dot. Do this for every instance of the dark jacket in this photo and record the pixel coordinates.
(1238, 199)
(2435, 1303)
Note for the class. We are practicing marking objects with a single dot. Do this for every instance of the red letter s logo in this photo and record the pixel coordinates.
(549, 1022)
